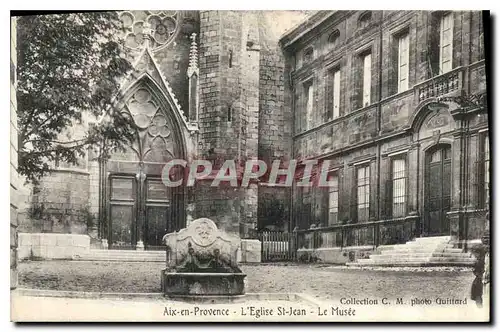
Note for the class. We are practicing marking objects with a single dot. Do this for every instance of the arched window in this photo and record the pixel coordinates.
(308, 55)
(364, 20)
(333, 39)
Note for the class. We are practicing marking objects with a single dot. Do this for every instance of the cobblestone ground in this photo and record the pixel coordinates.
(321, 281)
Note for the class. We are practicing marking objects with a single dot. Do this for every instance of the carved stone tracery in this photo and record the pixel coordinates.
(154, 129)
(158, 27)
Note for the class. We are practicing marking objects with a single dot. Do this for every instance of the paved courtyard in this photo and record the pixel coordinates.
(320, 281)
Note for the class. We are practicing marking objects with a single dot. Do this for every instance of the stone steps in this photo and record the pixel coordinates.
(422, 258)
(419, 255)
(432, 251)
(122, 255)
(418, 250)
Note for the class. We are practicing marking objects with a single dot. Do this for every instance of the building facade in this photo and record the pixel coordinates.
(395, 101)
(373, 92)
(200, 83)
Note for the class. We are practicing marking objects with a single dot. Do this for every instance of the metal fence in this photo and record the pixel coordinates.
(277, 246)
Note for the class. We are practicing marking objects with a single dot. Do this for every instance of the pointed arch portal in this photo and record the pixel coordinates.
(139, 208)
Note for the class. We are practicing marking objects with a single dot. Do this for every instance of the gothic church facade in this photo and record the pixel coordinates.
(372, 92)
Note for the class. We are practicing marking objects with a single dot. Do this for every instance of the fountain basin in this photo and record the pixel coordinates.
(202, 283)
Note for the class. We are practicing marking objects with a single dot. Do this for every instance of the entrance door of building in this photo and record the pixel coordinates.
(437, 191)
(138, 207)
(157, 213)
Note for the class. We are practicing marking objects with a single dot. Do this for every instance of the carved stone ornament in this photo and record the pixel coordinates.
(201, 244)
(157, 27)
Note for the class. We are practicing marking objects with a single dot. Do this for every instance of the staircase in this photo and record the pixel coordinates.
(425, 251)
(122, 255)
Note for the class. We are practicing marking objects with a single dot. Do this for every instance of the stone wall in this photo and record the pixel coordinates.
(222, 204)
(52, 246)
(14, 176)
(60, 204)
(391, 123)
(275, 116)
(210, 75)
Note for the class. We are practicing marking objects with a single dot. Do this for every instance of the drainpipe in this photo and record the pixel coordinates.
(379, 116)
(292, 222)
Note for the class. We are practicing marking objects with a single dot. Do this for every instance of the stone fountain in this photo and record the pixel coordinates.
(202, 261)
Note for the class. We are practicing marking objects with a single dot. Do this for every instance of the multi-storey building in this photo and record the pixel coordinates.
(374, 93)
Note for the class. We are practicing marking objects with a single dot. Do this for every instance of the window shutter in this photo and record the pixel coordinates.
(336, 93)
(298, 111)
(446, 43)
(329, 94)
(393, 68)
(342, 199)
(356, 96)
(367, 79)
(388, 196)
(354, 195)
(457, 42)
(434, 46)
(476, 182)
(324, 205)
(403, 62)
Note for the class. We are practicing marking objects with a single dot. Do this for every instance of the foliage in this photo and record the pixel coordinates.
(69, 66)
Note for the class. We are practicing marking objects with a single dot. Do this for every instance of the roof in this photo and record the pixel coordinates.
(304, 27)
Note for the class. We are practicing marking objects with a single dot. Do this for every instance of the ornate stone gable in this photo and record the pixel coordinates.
(146, 68)
(154, 127)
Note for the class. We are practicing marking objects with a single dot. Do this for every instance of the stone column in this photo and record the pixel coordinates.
(473, 178)
(413, 180)
(141, 177)
(456, 215)
(103, 220)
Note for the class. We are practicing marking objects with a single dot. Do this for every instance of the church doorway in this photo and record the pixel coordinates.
(136, 201)
(140, 209)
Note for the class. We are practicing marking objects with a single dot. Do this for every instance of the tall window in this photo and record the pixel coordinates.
(403, 61)
(309, 102)
(333, 39)
(367, 79)
(484, 172)
(446, 43)
(333, 199)
(398, 187)
(364, 20)
(305, 212)
(363, 196)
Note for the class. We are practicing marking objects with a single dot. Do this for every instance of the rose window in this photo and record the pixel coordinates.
(159, 26)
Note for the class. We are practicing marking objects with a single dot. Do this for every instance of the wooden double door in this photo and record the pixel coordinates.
(437, 191)
(140, 209)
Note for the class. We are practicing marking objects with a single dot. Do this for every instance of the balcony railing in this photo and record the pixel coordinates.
(440, 85)
(383, 232)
